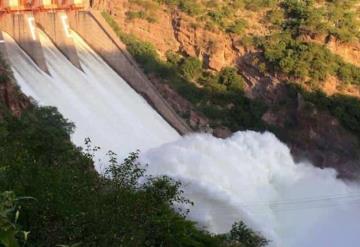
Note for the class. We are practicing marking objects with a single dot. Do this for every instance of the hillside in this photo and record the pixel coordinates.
(291, 67)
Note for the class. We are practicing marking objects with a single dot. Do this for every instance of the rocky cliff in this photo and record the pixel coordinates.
(10, 96)
(313, 133)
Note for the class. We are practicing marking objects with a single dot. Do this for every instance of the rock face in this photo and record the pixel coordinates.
(183, 107)
(214, 48)
(12, 99)
(10, 95)
(174, 31)
(311, 134)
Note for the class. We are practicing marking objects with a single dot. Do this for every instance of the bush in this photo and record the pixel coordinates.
(275, 17)
(135, 15)
(4, 70)
(303, 60)
(240, 233)
(238, 27)
(345, 108)
(173, 58)
(337, 18)
(231, 79)
(190, 7)
(10, 233)
(256, 5)
(191, 68)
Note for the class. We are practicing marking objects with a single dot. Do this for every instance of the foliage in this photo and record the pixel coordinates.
(276, 17)
(231, 79)
(345, 108)
(240, 233)
(10, 233)
(131, 15)
(135, 15)
(335, 18)
(4, 70)
(191, 68)
(306, 60)
(221, 98)
(173, 58)
(190, 7)
(238, 27)
(256, 5)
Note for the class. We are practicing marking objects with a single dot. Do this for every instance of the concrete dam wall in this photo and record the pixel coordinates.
(90, 25)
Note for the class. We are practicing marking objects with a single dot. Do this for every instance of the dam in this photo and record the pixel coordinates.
(65, 55)
(58, 20)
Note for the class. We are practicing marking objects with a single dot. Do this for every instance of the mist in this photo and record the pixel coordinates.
(252, 177)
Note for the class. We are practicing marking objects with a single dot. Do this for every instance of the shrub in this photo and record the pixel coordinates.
(9, 213)
(256, 5)
(345, 108)
(238, 27)
(191, 68)
(231, 79)
(242, 234)
(305, 60)
(4, 70)
(135, 15)
(190, 7)
(275, 17)
(173, 57)
(336, 18)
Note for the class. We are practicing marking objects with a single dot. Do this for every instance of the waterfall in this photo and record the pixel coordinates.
(100, 103)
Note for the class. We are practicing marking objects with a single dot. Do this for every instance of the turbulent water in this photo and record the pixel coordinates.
(98, 101)
(250, 176)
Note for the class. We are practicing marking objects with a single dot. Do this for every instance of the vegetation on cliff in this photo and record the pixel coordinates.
(306, 61)
(289, 65)
(345, 108)
(219, 96)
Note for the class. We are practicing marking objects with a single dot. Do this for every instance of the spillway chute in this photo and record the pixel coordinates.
(98, 101)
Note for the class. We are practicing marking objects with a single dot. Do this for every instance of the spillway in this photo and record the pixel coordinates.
(99, 102)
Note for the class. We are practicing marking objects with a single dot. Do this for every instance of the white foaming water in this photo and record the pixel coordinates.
(250, 176)
(98, 101)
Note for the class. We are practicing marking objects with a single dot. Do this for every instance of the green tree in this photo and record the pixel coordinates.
(191, 68)
(243, 235)
(231, 79)
(238, 27)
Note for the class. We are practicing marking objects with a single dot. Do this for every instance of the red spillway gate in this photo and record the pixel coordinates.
(39, 5)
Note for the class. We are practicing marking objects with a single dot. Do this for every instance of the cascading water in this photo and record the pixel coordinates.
(98, 101)
(250, 176)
